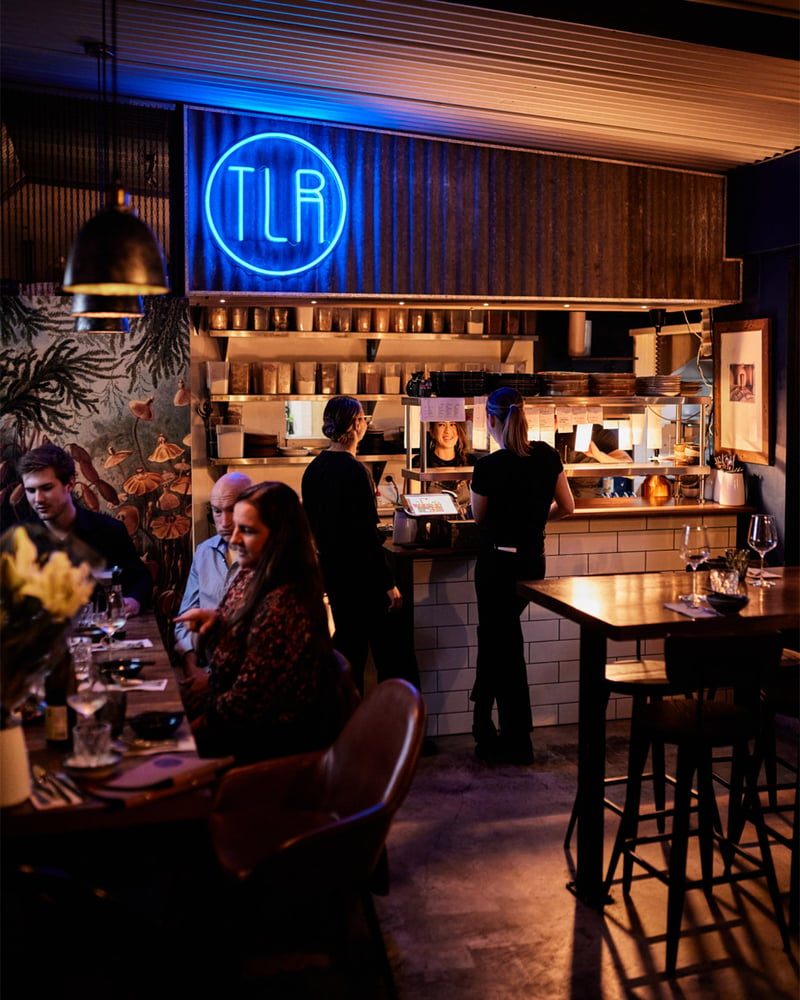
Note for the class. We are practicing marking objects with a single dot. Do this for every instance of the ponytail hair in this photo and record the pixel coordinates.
(507, 406)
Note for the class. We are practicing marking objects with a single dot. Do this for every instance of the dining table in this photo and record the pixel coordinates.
(183, 793)
(637, 606)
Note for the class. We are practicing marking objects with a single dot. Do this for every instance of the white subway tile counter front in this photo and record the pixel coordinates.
(443, 612)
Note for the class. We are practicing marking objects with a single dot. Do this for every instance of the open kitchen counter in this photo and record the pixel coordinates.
(604, 535)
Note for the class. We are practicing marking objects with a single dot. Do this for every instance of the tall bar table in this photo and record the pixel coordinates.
(631, 606)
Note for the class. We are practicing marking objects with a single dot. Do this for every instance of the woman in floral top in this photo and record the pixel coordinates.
(272, 685)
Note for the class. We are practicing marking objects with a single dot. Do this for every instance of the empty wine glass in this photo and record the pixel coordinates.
(762, 537)
(694, 549)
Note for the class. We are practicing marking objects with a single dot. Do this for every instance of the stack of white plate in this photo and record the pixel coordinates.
(690, 388)
(658, 385)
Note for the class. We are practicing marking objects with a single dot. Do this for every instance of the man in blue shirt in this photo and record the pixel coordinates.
(212, 569)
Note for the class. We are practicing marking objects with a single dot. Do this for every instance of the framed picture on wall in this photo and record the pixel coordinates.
(742, 389)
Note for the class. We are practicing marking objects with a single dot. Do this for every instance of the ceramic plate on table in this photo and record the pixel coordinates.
(97, 772)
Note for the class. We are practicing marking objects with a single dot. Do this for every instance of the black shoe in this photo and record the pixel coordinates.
(487, 746)
(515, 750)
(429, 748)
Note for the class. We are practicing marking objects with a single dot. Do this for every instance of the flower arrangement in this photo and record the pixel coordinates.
(39, 594)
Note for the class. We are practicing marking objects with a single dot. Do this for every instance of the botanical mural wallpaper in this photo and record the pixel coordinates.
(119, 403)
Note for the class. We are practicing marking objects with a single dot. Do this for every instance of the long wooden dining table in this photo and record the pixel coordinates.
(624, 607)
(186, 796)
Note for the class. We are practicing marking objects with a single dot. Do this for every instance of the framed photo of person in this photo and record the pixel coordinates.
(742, 389)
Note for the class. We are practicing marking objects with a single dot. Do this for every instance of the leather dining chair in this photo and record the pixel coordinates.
(697, 726)
(312, 828)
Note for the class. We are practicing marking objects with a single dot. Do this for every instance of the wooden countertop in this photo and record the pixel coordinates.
(636, 506)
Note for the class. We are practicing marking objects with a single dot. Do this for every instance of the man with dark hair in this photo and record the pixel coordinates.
(48, 476)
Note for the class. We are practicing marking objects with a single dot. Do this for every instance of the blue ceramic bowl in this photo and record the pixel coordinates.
(727, 604)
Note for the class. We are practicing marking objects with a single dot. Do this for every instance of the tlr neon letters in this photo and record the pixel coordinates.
(305, 193)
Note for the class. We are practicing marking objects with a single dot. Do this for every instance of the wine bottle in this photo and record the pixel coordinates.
(116, 589)
(59, 718)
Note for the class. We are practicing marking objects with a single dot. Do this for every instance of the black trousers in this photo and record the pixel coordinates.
(363, 623)
(501, 672)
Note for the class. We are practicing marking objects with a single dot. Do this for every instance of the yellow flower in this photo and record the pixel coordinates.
(61, 587)
(17, 569)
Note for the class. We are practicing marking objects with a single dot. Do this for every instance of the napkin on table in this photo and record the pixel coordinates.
(691, 612)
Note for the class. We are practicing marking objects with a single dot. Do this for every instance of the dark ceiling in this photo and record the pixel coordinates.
(685, 84)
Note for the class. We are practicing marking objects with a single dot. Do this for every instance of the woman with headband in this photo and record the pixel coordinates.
(514, 492)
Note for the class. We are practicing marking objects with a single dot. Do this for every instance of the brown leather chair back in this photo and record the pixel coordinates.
(321, 819)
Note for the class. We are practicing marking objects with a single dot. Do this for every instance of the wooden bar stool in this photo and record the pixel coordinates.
(697, 726)
(643, 679)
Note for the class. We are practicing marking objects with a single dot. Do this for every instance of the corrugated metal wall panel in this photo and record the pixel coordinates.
(438, 219)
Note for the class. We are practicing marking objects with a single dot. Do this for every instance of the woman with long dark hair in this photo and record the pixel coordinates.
(272, 682)
(448, 446)
(514, 492)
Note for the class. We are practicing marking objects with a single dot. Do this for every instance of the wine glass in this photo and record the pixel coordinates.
(762, 537)
(694, 549)
(113, 618)
(87, 699)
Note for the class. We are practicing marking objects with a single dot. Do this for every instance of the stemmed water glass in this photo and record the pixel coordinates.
(694, 549)
(762, 537)
(89, 695)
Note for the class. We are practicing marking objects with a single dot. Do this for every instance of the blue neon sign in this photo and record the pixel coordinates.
(275, 204)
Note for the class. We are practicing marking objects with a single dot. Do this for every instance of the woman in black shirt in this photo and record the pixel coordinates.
(514, 492)
(339, 499)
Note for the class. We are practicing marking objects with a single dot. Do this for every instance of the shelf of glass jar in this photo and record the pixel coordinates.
(294, 459)
(365, 335)
(302, 397)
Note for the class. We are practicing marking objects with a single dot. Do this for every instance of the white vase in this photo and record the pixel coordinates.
(730, 488)
(15, 775)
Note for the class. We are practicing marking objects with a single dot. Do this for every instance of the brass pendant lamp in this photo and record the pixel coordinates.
(107, 306)
(115, 253)
(105, 313)
(102, 324)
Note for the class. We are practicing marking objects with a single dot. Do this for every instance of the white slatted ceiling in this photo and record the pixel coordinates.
(436, 68)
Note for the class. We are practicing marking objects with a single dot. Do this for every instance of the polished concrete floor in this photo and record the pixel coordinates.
(478, 908)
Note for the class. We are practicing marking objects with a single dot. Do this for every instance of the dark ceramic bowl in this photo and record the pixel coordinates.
(155, 725)
(127, 669)
(727, 604)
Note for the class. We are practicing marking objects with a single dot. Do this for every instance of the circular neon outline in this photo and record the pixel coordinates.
(224, 247)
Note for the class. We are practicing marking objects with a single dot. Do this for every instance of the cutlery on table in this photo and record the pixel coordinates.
(54, 786)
